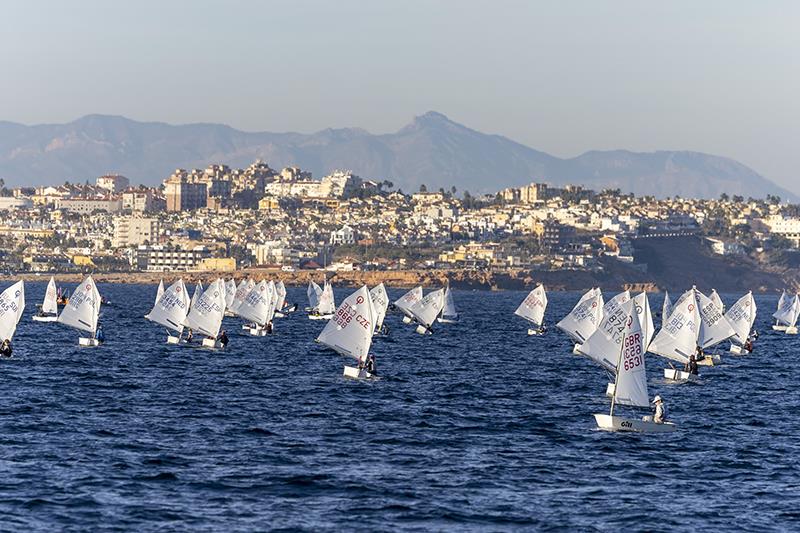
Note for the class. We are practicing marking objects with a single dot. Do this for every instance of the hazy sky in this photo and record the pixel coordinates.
(560, 76)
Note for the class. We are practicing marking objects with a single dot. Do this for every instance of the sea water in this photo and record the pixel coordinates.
(476, 427)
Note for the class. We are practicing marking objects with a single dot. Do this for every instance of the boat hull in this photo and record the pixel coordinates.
(576, 350)
(211, 343)
(447, 320)
(621, 423)
(674, 374)
(710, 360)
(320, 317)
(777, 327)
(258, 332)
(88, 342)
(791, 330)
(738, 350)
(52, 318)
(172, 339)
(352, 372)
(406, 320)
(422, 330)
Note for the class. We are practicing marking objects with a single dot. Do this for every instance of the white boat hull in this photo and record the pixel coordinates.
(320, 317)
(777, 327)
(679, 375)
(46, 318)
(211, 343)
(738, 350)
(258, 332)
(352, 372)
(791, 330)
(534, 332)
(576, 350)
(610, 388)
(447, 320)
(620, 423)
(422, 330)
(172, 339)
(406, 319)
(88, 342)
(712, 359)
(279, 314)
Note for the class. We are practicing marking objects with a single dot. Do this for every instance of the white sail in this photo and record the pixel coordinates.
(449, 309)
(280, 295)
(159, 291)
(171, 309)
(714, 297)
(533, 306)
(677, 339)
(795, 312)
(230, 292)
(12, 303)
(426, 310)
(631, 383)
(350, 330)
(259, 304)
(603, 345)
(205, 315)
(408, 299)
(785, 308)
(741, 317)
(83, 308)
(666, 309)
(242, 290)
(584, 318)
(198, 290)
(380, 301)
(314, 293)
(645, 317)
(327, 304)
(611, 305)
(50, 304)
(714, 328)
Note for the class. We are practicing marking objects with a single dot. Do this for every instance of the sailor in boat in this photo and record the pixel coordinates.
(691, 364)
(39, 311)
(99, 335)
(660, 415)
(268, 327)
(748, 344)
(371, 368)
(223, 339)
(5, 348)
(189, 336)
(542, 329)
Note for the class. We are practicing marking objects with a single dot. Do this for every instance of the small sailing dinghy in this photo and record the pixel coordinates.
(714, 328)
(380, 302)
(642, 306)
(259, 308)
(230, 294)
(741, 316)
(206, 314)
(630, 386)
(677, 339)
(326, 306)
(666, 309)
(279, 300)
(449, 314)
(350, 332)
(48, 312)
(82, 312)
(170, 310)
(314, 293)
(783, 311)
(532, 309)
(404, 303)
(581, 322)
(787, 315)
(426, 310)
(242, 290)
(12, 304)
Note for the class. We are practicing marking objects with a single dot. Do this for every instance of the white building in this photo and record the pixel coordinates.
(113, 183)
(135, 231)
(345, 235)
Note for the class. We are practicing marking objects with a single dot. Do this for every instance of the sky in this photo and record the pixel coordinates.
(563, 77)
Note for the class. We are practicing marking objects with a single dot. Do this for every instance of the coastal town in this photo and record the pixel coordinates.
(226, 219)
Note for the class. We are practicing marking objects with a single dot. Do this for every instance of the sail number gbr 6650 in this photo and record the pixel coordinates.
(632, 351)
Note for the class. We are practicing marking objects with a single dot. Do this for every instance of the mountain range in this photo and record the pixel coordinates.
(431, 150)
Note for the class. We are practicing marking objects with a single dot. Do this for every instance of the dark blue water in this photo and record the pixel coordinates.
(478, 427)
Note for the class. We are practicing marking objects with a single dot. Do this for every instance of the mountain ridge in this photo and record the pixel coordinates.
(431, 150)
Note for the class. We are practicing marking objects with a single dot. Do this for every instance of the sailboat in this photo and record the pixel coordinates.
(380, 302)
(630, 385)
(532, 309)
(170, 310)
(230, 294)
(666, 308)
(584, 317)
(206, 313)
(677, 338)
(350, 331)
(784, 312)
(242, 290)
(281, 309)
(314, 293)
(198, 290)
(49, 309)
(642, 307)
(259, 308)
(741, 316)
(83, 311)
(449, 314)
(159, 290)
(12, 304)
(404, 303)
(426, 310)
(784, 304)
(790, 315)
(714, 328)
(326, 306)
